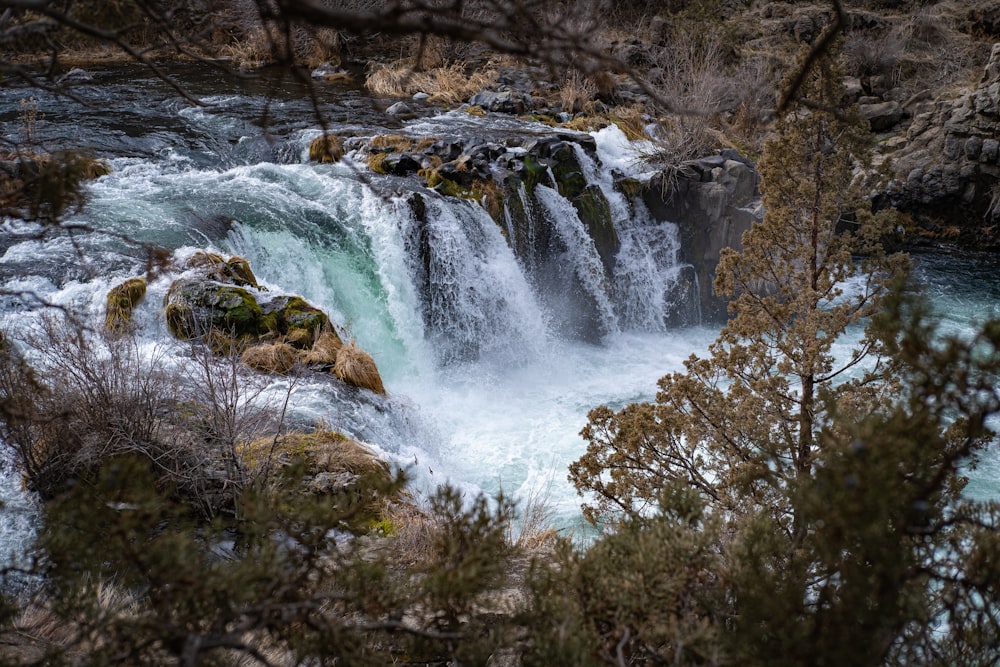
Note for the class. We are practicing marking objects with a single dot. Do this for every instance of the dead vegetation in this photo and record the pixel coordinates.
(356, 367)
(451, 83)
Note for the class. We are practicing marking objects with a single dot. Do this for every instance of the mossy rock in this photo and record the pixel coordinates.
(595, 212)
(567, 171)
(122, 299)
(197, 307)
(630, 187)
(351, 475)
(296, 319)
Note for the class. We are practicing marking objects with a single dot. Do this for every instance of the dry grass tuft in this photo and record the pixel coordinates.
(324, 350)
(238, 270)
(122, 299)
(449, 84)
(277, 358)
(415, 533)
(576, 92)
(252, 52)
(356, 367)
(630, 119)
(300, 339)
(204, 260)
(376, 162)
(326, 148)
(396, 143)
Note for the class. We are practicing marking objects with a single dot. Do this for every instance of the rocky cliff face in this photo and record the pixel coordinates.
(947, 166)
(713, 200)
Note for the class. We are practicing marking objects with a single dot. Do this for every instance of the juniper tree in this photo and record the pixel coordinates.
(741, 425)
(796, 504)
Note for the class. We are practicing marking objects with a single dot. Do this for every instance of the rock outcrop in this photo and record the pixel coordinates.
(713, 200)
(947, 171)
(219, 302)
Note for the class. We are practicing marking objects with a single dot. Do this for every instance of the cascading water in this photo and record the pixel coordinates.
(484, 332)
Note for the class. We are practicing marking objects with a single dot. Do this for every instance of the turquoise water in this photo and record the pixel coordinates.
(485, 389)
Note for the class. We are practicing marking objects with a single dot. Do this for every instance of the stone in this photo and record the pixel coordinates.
(990, 151)
(973, 146)
(401, 109)
(502, 101)
(75, 75)
(882, 116)
(712, 209)
(400, 164)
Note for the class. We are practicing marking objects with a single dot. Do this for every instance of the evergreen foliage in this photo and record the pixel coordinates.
(780, 502)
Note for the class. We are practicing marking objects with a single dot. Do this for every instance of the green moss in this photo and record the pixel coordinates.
(300, 315)
(534, 173)
(241, 312)
(382, 527)
(199, 307)
(566, 169)
(630, 187)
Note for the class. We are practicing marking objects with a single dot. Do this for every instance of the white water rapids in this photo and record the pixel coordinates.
(485, 390)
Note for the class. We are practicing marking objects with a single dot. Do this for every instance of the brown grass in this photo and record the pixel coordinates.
(204, 260)
(324, 350)
(238, 269)
(449, 84)
(122, 299)
(630, 119)
(376, 162)
(576, 92)
(252, 52)
(396, 143)
(277, 358)
(326, 148)
(356, 367)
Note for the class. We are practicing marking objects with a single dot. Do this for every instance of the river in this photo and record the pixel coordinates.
(232, 176)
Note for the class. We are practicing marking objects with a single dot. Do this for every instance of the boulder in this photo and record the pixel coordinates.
(401, 110)
(882, 116)
(197, 307)
(295, 318)
(222, 297)
(502, 101)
